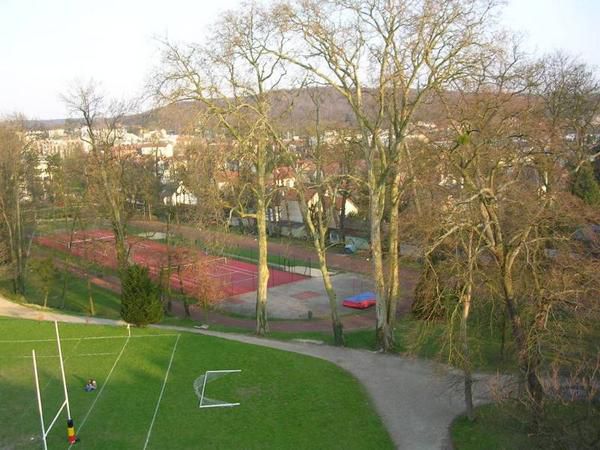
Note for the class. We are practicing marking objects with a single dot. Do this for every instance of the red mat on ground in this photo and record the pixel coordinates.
(232, 277)
(363, 300)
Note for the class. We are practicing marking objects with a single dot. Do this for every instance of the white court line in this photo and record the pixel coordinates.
(56, 356)
(103, 386)
(161, 392)
(24, 341)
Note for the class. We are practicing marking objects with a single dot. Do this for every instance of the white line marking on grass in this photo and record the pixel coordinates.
(56, 356)
(103, 386)
(161, 392)
(24, 341)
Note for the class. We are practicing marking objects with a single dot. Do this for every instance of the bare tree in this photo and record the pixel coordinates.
(570, 93)
(385, 58)
(18, 173)
(313, 181)
(105, 166)
(570, 103)
(233, 77)
(498, 166)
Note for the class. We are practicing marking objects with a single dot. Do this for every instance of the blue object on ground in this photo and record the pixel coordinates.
(363, 300)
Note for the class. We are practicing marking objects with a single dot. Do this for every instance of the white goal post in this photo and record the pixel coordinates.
(46, 431)
(200, 389)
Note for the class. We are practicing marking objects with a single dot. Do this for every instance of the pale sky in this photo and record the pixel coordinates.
(47, 44)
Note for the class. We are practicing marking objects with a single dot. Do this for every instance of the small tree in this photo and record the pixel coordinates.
(585, 185)
(209, 291)
(140, 297)
(45, 270)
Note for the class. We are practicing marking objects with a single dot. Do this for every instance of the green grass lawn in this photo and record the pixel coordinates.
(508, 427)
(412, 337)
(287, 400)
(106, 303)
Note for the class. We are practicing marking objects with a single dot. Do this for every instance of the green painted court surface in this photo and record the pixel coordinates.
(287, 400)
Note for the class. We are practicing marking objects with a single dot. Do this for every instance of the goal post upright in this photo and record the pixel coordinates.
(71, 436)
(62, 370)
(39, 399)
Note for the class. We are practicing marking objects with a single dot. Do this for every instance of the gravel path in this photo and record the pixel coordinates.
(416, 399)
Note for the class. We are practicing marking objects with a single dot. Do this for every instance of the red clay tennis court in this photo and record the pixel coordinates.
(188, 267)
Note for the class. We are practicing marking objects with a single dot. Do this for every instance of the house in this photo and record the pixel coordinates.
(161, 149)
(178, 195)
(285, 215)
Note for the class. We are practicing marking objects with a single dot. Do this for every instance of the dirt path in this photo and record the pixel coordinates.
(416, 399)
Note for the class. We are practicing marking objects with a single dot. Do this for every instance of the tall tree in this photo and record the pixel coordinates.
(234, 78)
(384, 58)
(497, 164)
(317, 193)
(570, 94)
(18, 178)
(106, 161)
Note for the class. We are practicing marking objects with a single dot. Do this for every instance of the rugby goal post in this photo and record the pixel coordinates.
(46, 430)
(200, 389)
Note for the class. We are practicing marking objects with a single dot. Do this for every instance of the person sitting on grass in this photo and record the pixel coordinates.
(91, 385)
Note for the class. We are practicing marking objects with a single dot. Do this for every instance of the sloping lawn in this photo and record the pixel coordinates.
(287, 400)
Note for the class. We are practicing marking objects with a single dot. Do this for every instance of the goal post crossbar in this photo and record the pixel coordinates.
(204, 382)
(220, 405)
(56, 418)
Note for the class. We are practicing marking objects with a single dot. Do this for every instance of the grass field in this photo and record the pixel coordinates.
(107, 303)
(411, 335)
(508, 426)
(287, 400)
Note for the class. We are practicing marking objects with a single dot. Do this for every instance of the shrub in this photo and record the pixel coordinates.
(585, 185)
(140, 297)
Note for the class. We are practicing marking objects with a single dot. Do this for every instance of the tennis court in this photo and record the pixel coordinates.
(185, 268)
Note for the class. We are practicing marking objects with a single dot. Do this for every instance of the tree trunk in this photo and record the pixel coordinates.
(383, 332)
(528, 366)
(393, 258)
(336, 323)
(180, 279)
(464, 338)
(67, 262)
(262, 326)
(120, 243)
(18, 235)
(168, 242)
(90, 298)
(503, 336)
(413, 182)
(342, 220)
